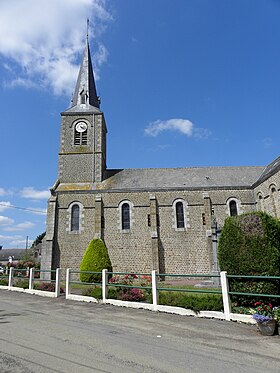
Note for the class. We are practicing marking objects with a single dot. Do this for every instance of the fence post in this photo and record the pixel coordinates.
(67, 287)
(154, 290)
(57, 282)
(11, 275)
(104, 284)
(31, 278)
(226, 298)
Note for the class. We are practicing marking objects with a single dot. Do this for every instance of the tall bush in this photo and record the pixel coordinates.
(250, 245)
(95, 259)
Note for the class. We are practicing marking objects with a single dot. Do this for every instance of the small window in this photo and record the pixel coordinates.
(75, 218)
(180, 221)
(203, 218)
(233, 208)
(125, 216)
(83, 99)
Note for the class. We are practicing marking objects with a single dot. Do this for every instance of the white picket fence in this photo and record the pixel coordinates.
(154, 306)
(30, 277)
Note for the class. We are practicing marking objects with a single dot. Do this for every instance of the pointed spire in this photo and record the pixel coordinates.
(85, 97)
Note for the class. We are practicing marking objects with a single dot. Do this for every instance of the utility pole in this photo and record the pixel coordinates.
(26, 245)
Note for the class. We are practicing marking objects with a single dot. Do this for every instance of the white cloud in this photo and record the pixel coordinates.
(201, 133)
(184, 126)
(3, 192)
(44, 38)
(4, 220)
(20, 227)
(30, 192)
(4, 205)
(7, 238)
(20, 243)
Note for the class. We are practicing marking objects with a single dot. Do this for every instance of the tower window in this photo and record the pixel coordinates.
(83, 97)
(180, 221)
(80, 134)
(125, 216)
(75, 218)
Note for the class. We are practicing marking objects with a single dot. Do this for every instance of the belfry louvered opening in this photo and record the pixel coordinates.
(80, 138)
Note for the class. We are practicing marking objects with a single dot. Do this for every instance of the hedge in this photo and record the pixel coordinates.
(250, 245)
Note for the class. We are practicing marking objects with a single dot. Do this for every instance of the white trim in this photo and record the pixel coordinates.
(131, 215)
(238, 206)
(260, 203)
(81, 217)
(186, 215)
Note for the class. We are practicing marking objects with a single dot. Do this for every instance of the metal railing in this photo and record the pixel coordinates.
(125, 281)
(22, 279)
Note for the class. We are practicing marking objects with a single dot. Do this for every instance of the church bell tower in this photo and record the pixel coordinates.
(82, 154)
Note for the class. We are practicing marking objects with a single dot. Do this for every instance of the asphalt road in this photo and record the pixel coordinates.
(54, 335)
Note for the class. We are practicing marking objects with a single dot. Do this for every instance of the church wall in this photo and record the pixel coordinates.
(180, 251)
(129, 251)
(267, 195)
(220, 198)
(71, 245)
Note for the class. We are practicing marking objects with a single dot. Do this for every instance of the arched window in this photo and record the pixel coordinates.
(75, 218)
(125, 216)
(260, 202)
(233, 208)
(273, 197)
(180, 215)
(180, 220)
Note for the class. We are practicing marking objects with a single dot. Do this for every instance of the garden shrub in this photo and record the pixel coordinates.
(95, 259)
(130, 293)
(46, 286)
(93, 291)
(4, 281)
(96, 292)
(21, 283)
(201, 302)
(250, 245)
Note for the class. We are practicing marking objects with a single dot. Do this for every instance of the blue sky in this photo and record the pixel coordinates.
(183, 83)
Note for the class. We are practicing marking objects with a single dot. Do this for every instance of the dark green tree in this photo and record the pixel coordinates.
(250, 245)
(95, 259)
(38, 239)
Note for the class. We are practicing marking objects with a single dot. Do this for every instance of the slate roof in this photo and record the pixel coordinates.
(172, 179)
(15, 253)
(186, 178)
(86, 83)
(269, 170)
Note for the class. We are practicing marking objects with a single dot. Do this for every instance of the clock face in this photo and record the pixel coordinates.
(81, 127)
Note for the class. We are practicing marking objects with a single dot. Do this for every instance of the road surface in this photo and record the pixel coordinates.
(54, 335)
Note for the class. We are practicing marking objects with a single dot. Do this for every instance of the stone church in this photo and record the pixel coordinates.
(165, 219)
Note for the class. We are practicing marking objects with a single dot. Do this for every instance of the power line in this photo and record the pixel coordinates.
(22, 208)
